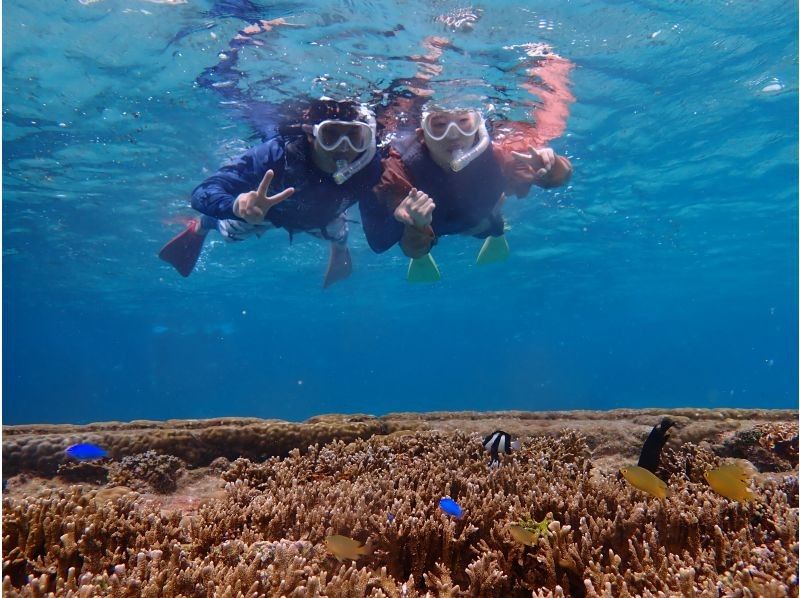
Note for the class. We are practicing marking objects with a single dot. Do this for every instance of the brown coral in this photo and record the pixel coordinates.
(265, 537)
(148, 470)
(770, 446)
(780, 438)
(40, 448)
(93, 472)
(689, 461)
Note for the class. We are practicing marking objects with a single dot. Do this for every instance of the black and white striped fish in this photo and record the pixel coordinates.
(499, 442)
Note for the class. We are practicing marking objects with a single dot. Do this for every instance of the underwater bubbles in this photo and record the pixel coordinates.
(773, 87)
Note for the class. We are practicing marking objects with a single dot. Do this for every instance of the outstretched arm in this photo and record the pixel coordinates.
(217, 195)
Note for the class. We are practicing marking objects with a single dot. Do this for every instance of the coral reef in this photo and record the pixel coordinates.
(264, 534)
(40, 448)
(159, 472)
(93, 472)
(770, 447)
(689, 461)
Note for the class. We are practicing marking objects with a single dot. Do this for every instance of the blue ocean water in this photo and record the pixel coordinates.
(665, 274)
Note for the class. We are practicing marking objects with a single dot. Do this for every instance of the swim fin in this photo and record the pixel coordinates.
(184, 249)
(423, 269)
(340, 266)
(495, 249)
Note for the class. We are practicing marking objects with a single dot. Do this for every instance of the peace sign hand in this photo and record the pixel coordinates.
(252, 207)
(541, 160)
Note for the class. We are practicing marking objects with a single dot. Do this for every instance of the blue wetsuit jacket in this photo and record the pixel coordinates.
(317, 199)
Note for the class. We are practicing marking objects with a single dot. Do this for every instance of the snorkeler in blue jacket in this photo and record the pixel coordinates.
(311, 169)
(315, 174)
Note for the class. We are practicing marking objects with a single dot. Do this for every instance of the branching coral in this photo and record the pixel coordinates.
(265, 536)
(688, 462)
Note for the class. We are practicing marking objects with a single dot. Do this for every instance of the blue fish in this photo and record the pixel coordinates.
(85, 452)
(449, 506)
(389, 517)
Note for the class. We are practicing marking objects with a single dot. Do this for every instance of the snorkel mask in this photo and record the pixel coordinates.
(359, 134)
(437, 124)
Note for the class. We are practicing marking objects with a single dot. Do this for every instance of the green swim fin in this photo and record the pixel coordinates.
(495, 249)
(423, 269)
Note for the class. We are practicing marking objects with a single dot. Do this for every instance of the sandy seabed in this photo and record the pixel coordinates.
(242, 507)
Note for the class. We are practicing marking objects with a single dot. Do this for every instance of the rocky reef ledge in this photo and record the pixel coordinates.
(242, 506)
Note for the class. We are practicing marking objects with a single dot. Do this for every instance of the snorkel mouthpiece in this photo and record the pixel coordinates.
(339, 176)
(457, 163)
(463, 158)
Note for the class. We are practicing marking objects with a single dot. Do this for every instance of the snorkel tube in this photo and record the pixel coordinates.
(462, 158)
(344, 170)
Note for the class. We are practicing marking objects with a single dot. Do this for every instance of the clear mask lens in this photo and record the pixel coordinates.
(333, 133)
(438, 125)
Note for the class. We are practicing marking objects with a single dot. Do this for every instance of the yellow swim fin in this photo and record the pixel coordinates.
(423, 269)
(495, 249)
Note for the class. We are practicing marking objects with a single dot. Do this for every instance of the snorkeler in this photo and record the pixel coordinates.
(309, 211)
(451, 177)
(319, 171)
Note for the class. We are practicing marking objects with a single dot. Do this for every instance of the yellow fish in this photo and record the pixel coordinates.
(522, 535)
(730, 481)
(640, 478)
(343, 547)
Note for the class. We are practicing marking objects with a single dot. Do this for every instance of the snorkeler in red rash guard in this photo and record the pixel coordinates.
(452, 177)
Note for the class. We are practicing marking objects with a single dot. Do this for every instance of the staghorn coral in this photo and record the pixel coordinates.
(149, 469)
(688, 462)
(264, 537)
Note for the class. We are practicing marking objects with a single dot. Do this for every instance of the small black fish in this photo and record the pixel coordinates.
(651, 449)
(499, 442)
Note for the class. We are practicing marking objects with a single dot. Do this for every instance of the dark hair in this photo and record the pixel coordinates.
(320, 110)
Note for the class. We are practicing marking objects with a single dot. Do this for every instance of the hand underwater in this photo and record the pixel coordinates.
(415, 210)
(541, 160)
(253, 206)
